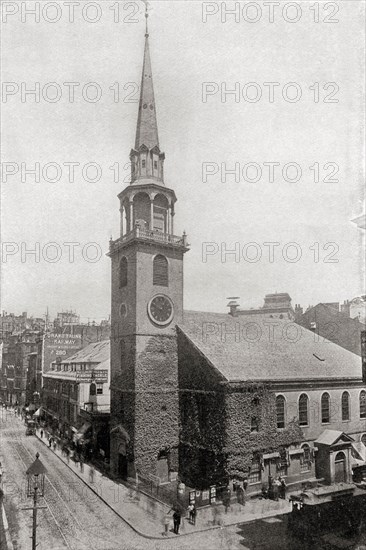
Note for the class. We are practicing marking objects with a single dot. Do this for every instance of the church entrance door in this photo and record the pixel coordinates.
(340, 468)
(162, 467)
(122, 466)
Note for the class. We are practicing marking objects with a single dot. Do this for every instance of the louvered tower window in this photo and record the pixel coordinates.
(160, 271)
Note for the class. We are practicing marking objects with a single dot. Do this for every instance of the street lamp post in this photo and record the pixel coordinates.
(35, 488)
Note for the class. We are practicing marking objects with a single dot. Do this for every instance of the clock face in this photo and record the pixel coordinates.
(161, 310)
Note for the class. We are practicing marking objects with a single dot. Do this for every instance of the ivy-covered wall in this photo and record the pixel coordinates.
(244, 402)
(144, 399)
(216, 420)
(201, 418)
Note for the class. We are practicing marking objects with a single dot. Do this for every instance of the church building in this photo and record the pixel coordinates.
(214, 397)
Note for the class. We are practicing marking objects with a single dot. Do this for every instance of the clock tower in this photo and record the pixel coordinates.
(147, 303)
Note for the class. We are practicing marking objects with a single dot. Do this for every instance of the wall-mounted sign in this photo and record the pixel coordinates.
(59, 346)
(88, 376)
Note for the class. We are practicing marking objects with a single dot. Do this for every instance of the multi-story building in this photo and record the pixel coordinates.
(15, 364)
(277, 305)
(328, 323)
(76, 395)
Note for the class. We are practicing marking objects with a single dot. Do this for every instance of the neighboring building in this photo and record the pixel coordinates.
(76, 396)
(213, 397)
(275, 306)
(15, 364)
(66, 318)
(11, 323)
(327, 322)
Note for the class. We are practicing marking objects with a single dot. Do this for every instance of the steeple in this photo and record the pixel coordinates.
(146, 158)
(147, 127)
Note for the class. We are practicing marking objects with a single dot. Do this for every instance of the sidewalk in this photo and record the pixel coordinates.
(146, 516)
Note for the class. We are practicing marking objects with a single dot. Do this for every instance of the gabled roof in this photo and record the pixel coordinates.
(331, 437)
(98, 352)
(245, 349)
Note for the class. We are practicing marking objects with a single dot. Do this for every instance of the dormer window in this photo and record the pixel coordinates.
(143, 163)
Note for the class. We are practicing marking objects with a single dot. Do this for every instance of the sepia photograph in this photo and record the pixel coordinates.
(183, 269)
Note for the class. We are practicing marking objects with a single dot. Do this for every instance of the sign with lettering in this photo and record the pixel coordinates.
(98, 376)
(58, 346)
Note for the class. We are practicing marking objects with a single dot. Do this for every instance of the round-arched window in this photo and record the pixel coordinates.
(160, 271)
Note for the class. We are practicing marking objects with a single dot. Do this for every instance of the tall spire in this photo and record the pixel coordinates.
(147, 128)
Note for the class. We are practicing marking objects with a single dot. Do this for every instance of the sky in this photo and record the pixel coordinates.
(309, 133)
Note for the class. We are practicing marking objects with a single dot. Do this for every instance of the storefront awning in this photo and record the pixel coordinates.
(84, 428)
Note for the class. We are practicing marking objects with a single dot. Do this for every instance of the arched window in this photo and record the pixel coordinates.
(345, 405)
(363, 439)
(92, 389)
(325, 402)
(280, 411)
(160, 271)
(303, 410)
(363, 404)
(123, 272)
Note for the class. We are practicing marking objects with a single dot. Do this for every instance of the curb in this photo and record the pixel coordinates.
(155, 537)
(152, 537)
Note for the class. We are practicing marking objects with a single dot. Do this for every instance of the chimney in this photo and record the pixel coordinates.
(233, 305)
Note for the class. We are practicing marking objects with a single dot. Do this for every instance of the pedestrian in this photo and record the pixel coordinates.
(226, 499)
(283, 489)
(41, 434)
(50, 442)
(55, 445)
(67, 453)
(176, 520)
(91, 473)
(241, 495)
(245, 484)
(81, 463)
(193, 514)
(276, 487)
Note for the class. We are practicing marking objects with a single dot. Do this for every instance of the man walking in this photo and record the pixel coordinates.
(283, 488)
(91, 473)
(176, 520)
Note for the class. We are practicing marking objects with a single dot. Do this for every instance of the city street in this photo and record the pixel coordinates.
(75, 518)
